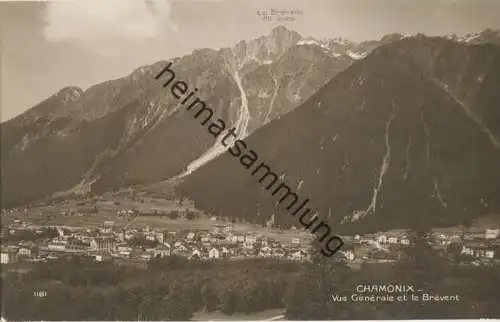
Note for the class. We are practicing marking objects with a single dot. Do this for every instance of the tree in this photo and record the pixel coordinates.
(454, 249)
(173, 215)
(310, 297)
(142, 241)
(423, 268)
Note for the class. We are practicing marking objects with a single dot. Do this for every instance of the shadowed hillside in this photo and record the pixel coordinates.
(408, 136)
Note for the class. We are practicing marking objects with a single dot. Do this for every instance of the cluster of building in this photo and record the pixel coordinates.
(478, 246)
(222, 241)
(146, 243)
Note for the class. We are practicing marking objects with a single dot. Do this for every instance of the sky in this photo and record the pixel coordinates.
(47, 45)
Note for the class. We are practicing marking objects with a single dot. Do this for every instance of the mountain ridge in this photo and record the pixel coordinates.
(146, 111)
(350, 162)
(276, 73)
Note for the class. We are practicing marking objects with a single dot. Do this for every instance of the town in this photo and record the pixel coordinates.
(142, 244)
(125, 242)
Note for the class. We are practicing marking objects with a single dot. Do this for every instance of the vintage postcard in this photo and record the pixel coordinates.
(250, 160)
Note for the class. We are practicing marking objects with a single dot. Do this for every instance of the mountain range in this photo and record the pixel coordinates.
(391, 131)
(408, 136)
(114, 133)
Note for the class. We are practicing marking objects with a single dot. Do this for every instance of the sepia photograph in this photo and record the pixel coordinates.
(235, 160)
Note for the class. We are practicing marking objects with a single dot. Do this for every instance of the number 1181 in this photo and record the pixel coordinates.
(40, 293)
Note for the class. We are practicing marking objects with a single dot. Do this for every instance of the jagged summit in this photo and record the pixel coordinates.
(486, 36)
(266, 49)
(71, 90)
(280, 32)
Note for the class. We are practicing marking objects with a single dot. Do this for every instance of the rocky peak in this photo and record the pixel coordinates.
(70, 93)
(486, 36)
(266, 49)
(281, 33)
(391, 37)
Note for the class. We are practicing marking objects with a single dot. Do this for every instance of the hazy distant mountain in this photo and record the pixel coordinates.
(408, 136)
